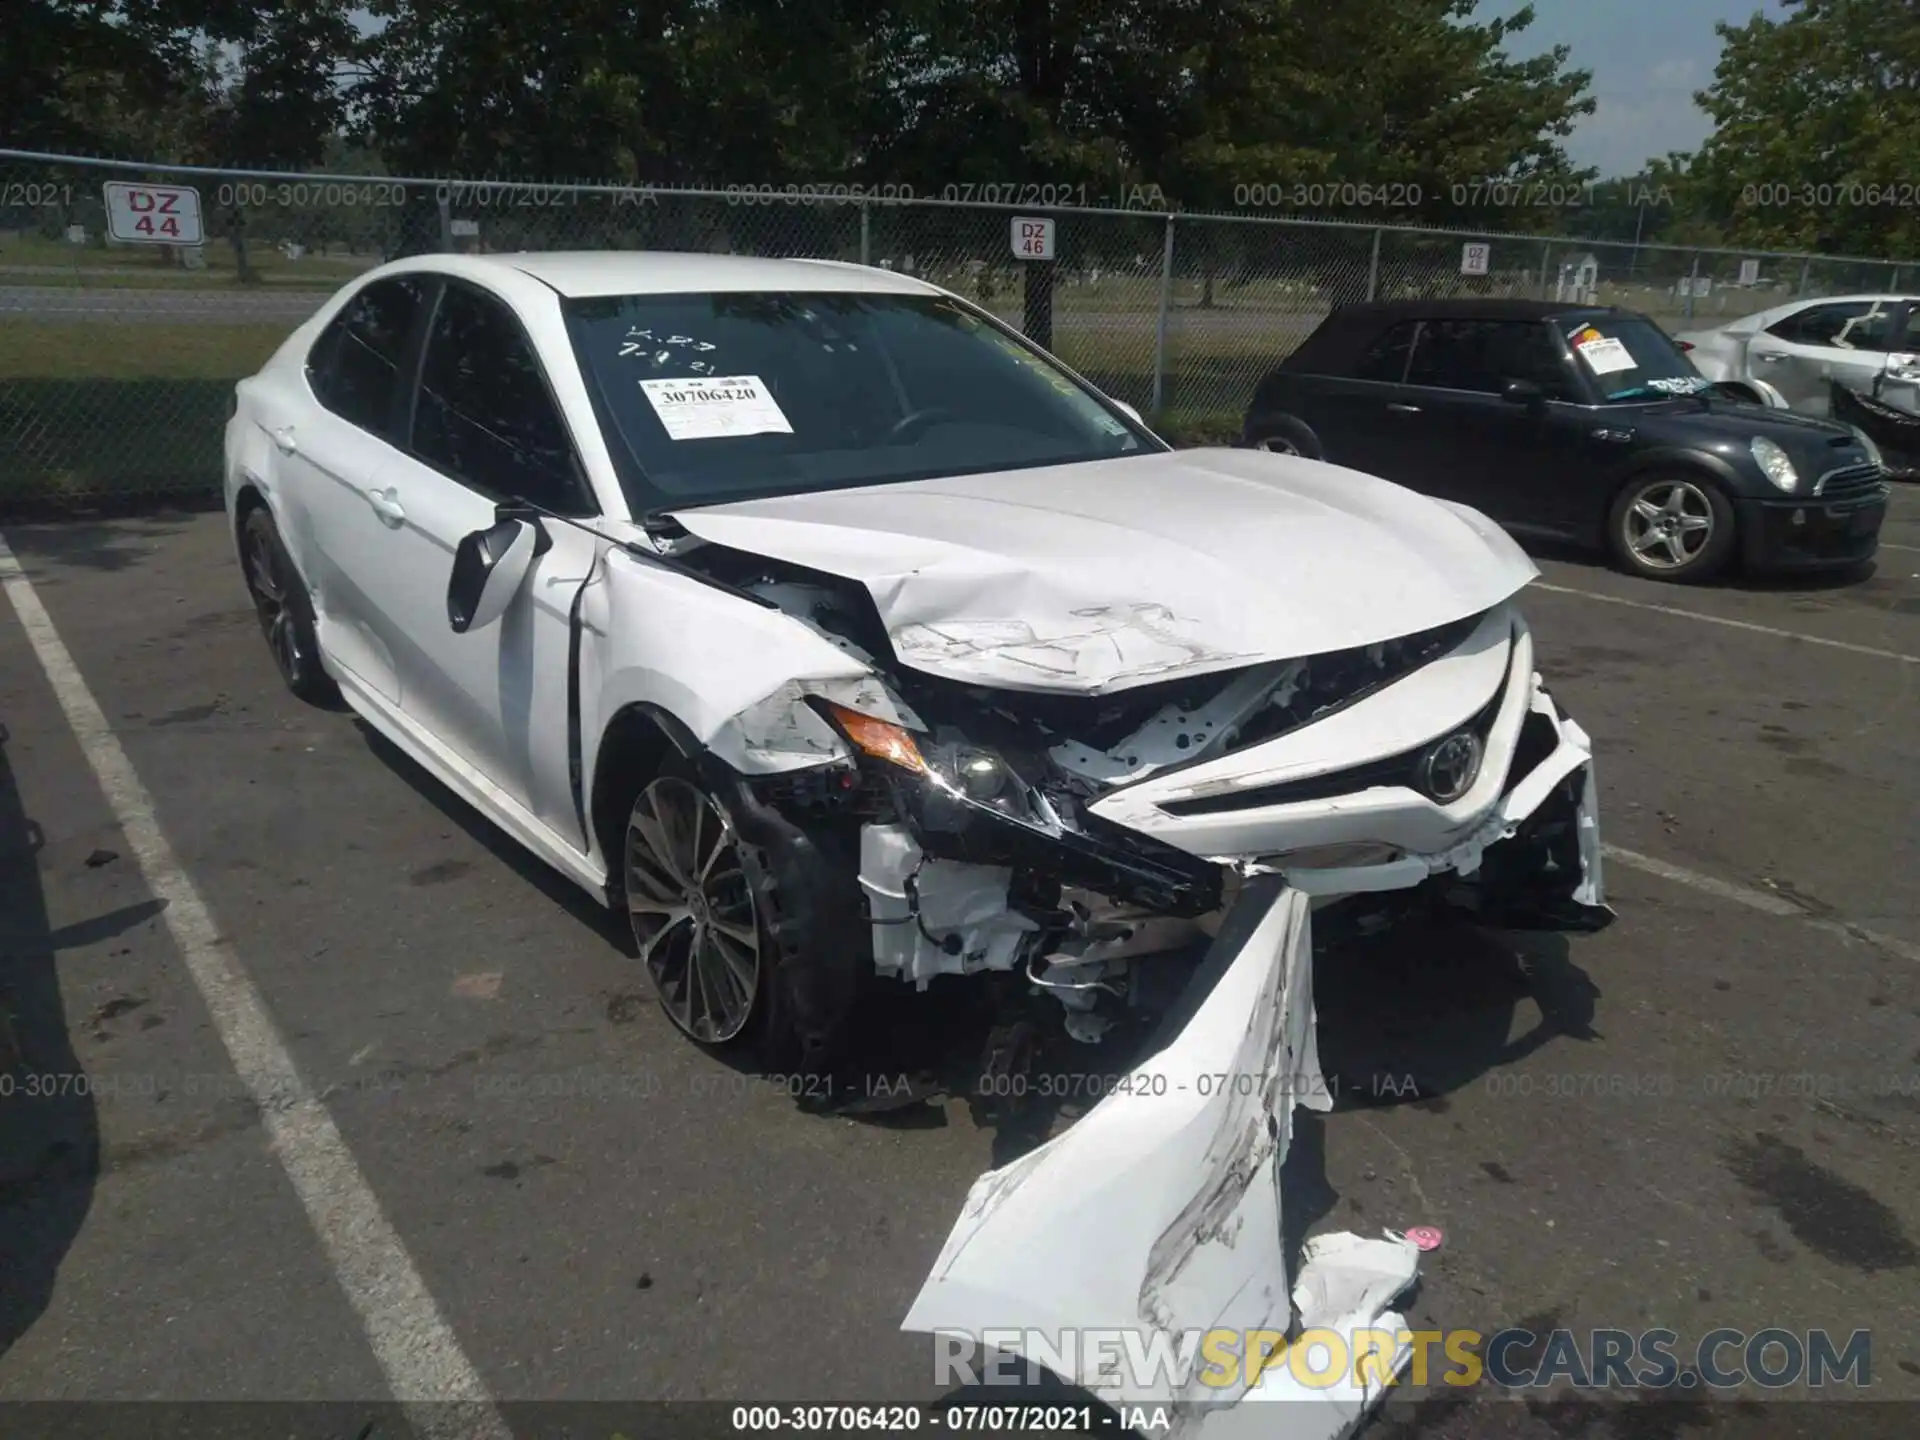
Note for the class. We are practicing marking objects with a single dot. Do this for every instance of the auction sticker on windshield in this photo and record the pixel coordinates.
(1603, 354)
(711, 409)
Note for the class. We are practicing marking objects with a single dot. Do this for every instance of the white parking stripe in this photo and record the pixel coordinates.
(1730, 624)
(414, 1346)
(1761, 900)
(1910, 549)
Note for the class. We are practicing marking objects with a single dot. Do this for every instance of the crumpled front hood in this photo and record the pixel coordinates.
(1114, 573)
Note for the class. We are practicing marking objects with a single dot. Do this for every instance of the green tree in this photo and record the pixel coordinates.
(671, 92)
(98, 77)
(280, 79)
(1816, 143)
(1662, 205)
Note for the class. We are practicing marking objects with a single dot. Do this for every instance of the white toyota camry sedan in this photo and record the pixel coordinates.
(839, 637)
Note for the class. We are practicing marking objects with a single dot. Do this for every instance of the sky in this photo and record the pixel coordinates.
(1647, 59)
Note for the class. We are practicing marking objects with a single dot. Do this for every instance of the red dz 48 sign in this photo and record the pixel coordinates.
(153, 214)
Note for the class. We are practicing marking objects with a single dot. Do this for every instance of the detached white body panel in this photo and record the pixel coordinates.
(1159, 1213)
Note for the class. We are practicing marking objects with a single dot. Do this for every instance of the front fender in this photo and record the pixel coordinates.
(655, 637)
(1672, 458)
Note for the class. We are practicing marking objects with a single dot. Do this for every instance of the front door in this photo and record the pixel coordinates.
(1506, 457)
(485, 430)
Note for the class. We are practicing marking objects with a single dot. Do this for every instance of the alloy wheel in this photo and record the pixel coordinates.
(1669, 524)
(1277, 445)
(692, 909)
(268, 584)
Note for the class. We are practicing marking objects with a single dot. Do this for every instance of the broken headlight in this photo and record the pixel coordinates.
(957, 771)
(966, 802)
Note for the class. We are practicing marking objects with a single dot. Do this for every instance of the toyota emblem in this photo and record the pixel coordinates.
(1451, 767)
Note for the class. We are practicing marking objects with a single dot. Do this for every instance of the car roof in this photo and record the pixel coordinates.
(1468, 308)
(1345, 334)
(578, 273)
(1773, 314)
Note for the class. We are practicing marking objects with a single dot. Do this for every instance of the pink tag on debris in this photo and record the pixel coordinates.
(1427, 1237)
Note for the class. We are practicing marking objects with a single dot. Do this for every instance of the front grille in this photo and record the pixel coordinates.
(1401, 769)
(1854, 482)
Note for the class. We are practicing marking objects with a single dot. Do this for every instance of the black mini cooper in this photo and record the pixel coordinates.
(1578, 423)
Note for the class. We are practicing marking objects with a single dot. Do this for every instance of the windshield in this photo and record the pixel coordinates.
(1632, 359)
(707, 398)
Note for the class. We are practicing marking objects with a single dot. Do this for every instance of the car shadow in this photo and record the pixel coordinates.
(1412, 1015)
(105, 541)
(1405, 1017)
(497, 843)
(49, 1126)
(1736, 577)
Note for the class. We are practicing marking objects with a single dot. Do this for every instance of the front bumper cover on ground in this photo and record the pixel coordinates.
(1156, 1220)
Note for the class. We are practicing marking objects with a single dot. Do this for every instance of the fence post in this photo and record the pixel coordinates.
(1160, 326)
(1373, 265)
(446, 219)
(1895, 283)
(1806, 268)
(866, 235)
(1693, 284)
(1546, 258)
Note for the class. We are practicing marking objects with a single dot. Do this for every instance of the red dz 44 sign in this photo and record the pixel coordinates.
(153, 214)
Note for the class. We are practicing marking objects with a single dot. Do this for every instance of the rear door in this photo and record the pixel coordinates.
(1801, 354)
(340, 456)
(1355, 414)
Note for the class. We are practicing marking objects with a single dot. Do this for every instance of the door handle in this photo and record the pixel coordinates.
(386, 504)
(1769, 358)
(283, 438)
(1397, 408)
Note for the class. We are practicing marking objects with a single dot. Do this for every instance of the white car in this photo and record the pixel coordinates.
(838, 636)
(1791, 355)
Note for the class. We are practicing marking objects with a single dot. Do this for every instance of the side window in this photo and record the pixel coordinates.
(1386, 358)
(1819, 324)
(484, 414)
(1868, 332)
(1452, 355)
(1530, 352)
(1483, 355)
(354, 367)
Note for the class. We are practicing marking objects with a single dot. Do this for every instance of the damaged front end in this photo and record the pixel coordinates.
(1076, 841)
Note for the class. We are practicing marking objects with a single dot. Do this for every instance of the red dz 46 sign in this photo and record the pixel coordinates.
(1032, 238)
(153, 214)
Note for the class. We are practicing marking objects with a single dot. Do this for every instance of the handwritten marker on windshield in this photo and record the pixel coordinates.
(1426, 1237)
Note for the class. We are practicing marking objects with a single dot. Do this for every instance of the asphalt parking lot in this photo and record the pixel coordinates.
(1705, 1116)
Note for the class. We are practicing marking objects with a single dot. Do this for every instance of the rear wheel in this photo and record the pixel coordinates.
(285, 612)
(1672, 527)
(1284, 435)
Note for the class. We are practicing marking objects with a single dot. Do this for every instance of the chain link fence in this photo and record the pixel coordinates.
(118, 357)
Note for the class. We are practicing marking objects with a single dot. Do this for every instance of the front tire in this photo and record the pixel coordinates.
(284, 609)
(1673, 527)
(750, 927)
